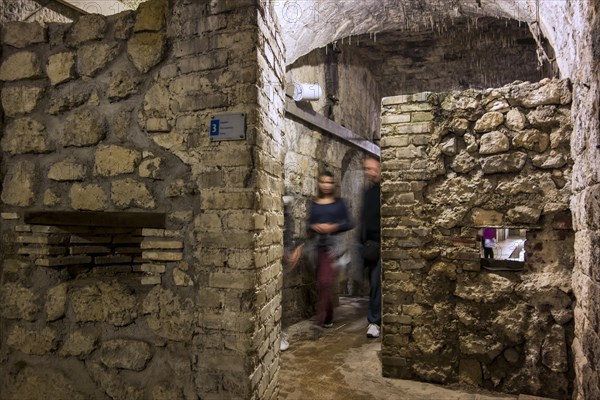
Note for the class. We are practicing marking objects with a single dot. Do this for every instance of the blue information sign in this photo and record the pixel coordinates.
(214, 127)
(228, 127)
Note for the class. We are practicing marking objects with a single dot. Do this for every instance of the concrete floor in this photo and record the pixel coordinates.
(342, 363)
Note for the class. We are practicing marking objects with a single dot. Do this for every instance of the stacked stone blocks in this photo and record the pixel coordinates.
(112, 114)
(452, 164)
(268, 218)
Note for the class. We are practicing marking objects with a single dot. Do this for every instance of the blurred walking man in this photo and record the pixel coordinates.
(370, 239)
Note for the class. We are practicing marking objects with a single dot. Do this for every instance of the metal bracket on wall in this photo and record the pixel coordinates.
(325, 124)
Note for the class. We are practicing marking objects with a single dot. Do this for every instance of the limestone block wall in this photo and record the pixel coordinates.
(586, 173)
(268, 217)
(453, 163)
(111, 115)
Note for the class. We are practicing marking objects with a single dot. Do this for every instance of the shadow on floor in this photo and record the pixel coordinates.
(342, 363)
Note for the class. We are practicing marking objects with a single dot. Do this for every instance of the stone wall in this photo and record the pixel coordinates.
(268, 216)
(453, 163)
(586, 186)
(309, 151)
(112, 115)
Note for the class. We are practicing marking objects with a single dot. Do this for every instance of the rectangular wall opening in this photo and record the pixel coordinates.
(502, 248)
(115, 241)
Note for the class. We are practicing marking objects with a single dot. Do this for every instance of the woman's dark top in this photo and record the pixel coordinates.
(333, 213)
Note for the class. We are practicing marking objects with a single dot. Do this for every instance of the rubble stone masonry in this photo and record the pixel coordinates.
(452, 164)
(111, 114)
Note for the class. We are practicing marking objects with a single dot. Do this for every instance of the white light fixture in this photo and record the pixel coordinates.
(304, 91)
(287, 199)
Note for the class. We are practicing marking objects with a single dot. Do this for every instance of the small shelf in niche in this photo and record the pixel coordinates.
(115, 219)
(123, 244)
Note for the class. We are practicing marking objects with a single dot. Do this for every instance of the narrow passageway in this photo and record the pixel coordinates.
(510, 249)
(342, 363)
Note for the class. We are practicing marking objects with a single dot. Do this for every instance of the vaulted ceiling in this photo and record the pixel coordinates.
(104, 7)
(482, 53)
(310, 24)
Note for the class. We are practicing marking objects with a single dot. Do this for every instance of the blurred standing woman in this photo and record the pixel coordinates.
(488, 238)
(328, 217)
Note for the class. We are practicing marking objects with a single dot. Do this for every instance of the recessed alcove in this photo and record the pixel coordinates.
(95, 218)
(115, 241)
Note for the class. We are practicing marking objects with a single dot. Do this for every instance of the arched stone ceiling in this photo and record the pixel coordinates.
(469, 54)
(310, 24)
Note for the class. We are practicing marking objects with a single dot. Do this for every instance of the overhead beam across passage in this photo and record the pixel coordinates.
(327, 125)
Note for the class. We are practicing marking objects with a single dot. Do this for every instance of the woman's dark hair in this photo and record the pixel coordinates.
(326, 173)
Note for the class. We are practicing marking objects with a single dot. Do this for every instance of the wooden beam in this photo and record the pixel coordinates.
(327, 125)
